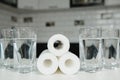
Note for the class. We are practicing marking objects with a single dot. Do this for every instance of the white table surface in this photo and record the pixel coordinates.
(101, 75)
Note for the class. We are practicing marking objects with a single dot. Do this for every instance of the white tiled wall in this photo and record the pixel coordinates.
(64, 21)
(5, 18)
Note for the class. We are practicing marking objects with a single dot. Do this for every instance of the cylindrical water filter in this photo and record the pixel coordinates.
(62, 47)
(69, 63)
(47, 63)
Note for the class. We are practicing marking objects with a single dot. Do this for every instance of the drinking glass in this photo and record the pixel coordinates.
(1, 51)
(110, 42)
(19, 49)
(90, 47)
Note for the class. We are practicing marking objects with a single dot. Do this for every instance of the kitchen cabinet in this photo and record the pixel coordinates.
(43, 4)
(28, 4)
(53, 4)
(112, 2)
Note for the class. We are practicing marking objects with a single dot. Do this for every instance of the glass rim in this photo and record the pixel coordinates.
(19, 33)
(90, 27)
(17, 38)
(85, 32)
(99, 27)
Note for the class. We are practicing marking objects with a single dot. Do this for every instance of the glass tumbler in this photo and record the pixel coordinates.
(1, 52)
(19, 49)
(90, 47)
(110, 42)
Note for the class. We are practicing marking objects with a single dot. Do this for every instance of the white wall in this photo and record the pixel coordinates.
(64, 21)
(5, 18)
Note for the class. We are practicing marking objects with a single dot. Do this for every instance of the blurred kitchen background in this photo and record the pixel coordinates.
(48, 17)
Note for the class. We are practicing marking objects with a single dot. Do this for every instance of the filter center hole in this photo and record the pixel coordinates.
(58, 44)
(47, 63)
(69, 63)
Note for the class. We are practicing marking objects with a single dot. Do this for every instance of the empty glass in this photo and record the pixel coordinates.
(110, 42)
(90, 46)
(19, 49)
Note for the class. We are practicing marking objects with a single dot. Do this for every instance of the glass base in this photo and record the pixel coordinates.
(25, 69)
(110, 66)
(91, 69)
(1, 66)
(10, 67)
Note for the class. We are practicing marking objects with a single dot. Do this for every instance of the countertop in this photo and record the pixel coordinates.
(101, 75)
